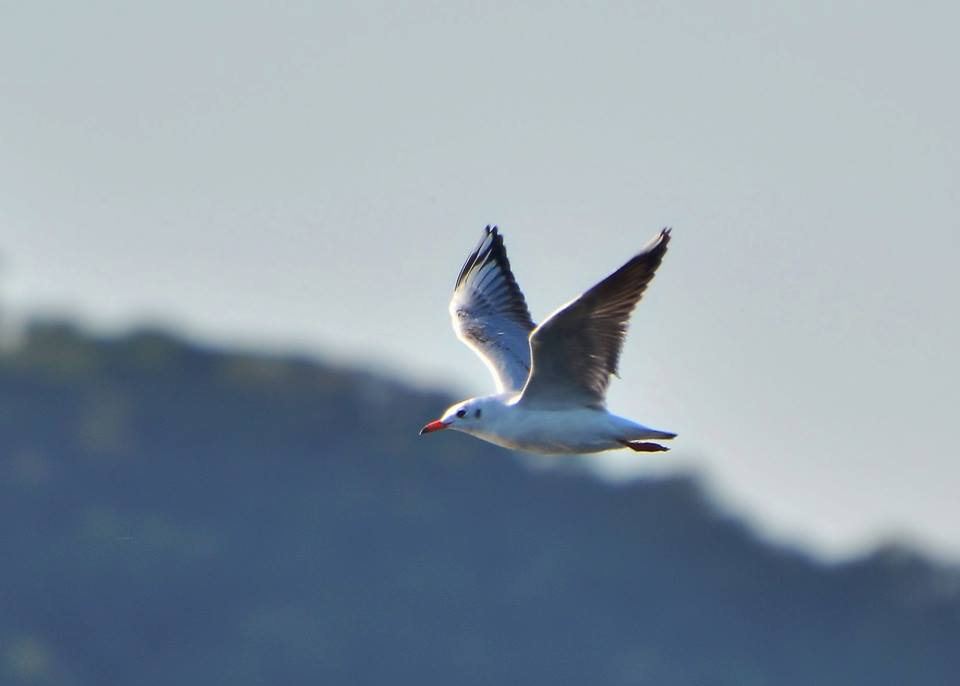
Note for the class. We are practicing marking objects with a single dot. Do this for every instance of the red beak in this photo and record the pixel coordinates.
(433, 426)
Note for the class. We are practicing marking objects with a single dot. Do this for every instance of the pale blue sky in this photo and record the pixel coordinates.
(310, 176)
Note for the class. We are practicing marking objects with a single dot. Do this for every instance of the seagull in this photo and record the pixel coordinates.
(551, 379)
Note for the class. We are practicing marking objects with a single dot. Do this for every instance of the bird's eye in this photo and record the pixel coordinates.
(461, 413)
(477, 414)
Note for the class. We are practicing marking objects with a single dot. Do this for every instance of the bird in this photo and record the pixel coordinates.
(551, 379)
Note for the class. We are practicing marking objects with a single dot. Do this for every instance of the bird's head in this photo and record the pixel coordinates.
(466, 416)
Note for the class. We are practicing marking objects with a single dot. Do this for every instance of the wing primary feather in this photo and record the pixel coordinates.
(577, 348)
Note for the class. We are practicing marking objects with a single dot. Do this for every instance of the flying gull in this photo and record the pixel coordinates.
(551, 379)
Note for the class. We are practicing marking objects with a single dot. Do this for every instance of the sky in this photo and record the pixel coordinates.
(309, 177)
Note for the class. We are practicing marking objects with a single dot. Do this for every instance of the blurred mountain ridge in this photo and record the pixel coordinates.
(175, 513)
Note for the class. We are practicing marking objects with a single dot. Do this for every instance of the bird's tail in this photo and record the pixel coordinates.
(643, 432)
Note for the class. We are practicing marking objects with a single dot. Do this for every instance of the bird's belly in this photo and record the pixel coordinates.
(556, 432)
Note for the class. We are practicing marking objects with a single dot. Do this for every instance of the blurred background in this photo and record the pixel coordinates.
(228, 235)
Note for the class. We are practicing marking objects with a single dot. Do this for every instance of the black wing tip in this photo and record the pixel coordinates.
(493, 230)
(478, 255)
(654, 251)
(661, 240)
(497, 246)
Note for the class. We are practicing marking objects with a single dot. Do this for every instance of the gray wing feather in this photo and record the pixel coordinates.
(490, 313)
(577, 348)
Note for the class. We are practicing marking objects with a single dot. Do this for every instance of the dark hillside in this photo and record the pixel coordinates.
(177, 515)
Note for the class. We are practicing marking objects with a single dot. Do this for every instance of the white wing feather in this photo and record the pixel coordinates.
(490, 313)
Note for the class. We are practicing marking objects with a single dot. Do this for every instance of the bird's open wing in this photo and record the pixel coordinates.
(490, 314)
(577, 348)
